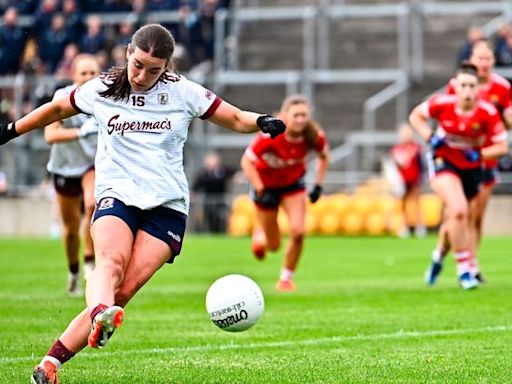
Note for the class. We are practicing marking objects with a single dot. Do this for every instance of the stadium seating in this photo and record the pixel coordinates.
(369, 212)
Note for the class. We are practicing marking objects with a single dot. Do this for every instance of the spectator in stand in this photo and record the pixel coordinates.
(63, 72)
(12, 43)
(168, 5)
(115, 6)
(200, 27)
(94, 41)
(91, 6)
(504, 54)
(125, 32)
(117, 57)
(74, 23)
(213, 181)
(26, 7)
(474, 34)
(501, 38)
(43, 19)
(103, 59)
(163, 5)
(53, 43)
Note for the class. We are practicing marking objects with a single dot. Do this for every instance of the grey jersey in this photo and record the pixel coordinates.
(72, 158)
(140, 142)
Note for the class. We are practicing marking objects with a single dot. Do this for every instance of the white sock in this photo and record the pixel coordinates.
(463, 259)
(52, 360)
(286, 274)
(437, 255)
(473, 265)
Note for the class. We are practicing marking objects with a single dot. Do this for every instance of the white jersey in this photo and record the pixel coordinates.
(140, 142)
(72, 158)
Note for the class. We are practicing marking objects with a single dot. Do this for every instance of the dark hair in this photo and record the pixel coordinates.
(467, 68)
(151, 38)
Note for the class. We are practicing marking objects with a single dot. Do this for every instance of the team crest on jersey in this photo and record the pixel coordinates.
(475, 126)
(209, 94)
(106, 203)
(494, 99)
(163, 98)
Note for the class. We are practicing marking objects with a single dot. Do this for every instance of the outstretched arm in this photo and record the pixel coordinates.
(46, 114)
(231, 117)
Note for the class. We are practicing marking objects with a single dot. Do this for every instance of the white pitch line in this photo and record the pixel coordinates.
(277, 344)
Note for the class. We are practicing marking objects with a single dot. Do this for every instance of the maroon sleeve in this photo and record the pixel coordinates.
(212, 108)
(72, 100)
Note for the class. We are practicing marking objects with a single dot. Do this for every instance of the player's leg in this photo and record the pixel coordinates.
(472, 233)
(449, 188)
(265, 234)
(89, 204)
(415, 197)
(113, 257)
(438, 254)
(69, 207)
(113, 241)
(294, 206)
(141, 267)
(404, 201)
(478, 207)
(481, 202)
(139, 270)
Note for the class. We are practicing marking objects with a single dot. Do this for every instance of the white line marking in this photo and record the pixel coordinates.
(277, 344)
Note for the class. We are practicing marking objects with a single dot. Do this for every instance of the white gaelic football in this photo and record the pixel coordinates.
(234, 303)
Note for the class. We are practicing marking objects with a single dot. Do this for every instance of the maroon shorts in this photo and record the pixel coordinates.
(68, 186)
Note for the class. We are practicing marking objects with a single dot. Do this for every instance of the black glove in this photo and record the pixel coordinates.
(7, 132)
(271, 125)
(315, 193)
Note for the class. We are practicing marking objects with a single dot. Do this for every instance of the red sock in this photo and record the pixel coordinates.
(60, 352)
(98, 309)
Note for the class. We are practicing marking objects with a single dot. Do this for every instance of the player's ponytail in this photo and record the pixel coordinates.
(312, 134)
(118, 85)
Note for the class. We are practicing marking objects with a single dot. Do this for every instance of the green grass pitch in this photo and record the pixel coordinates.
(362, 314)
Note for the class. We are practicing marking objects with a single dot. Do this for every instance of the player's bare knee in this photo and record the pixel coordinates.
(70, 232)
(297, 235)
(112, 262)
(460, 214)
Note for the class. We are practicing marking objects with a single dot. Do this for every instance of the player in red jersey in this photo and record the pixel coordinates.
(275, 169)
(496, 90)
(458, 149)
(406, 154)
